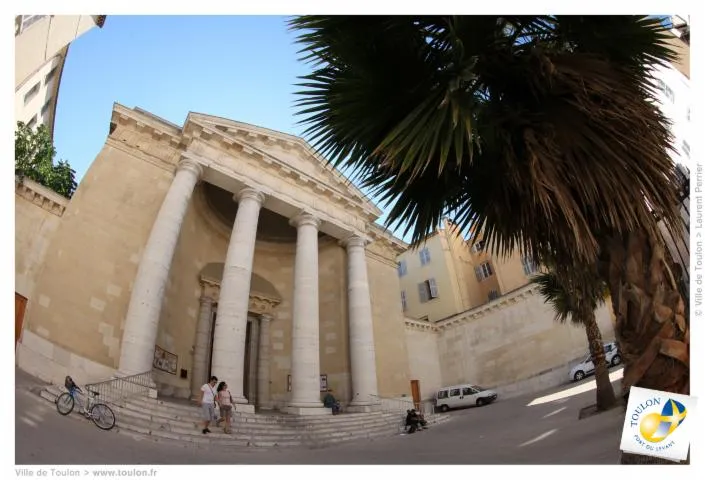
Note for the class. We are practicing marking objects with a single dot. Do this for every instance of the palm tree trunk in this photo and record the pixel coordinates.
(604, 390)
(652, 326)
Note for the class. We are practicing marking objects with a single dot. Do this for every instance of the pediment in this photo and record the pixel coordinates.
(294, 154)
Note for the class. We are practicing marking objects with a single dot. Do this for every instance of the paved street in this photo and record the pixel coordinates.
(508, 432)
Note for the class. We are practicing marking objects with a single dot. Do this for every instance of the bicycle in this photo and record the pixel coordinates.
(101, 414)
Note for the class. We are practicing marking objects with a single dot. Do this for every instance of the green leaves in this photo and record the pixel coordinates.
(34, 159)
(539, 130)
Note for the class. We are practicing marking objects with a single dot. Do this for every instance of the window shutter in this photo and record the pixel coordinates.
(423, 292)
(432, 287)
(478, 273)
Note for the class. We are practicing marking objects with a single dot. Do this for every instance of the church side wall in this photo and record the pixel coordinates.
(74, 323)
(388, 324)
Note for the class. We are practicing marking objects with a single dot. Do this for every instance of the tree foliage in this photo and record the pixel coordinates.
(34, 159)
(541, 131)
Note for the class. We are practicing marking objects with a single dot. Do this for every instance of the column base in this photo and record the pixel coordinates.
(368, 408)
(308, 411)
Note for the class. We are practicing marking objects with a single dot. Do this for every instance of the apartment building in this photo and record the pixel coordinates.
(448, 274)
(41, 45)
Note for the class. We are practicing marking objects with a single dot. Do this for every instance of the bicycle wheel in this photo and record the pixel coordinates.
(64, 404)
(102, 416)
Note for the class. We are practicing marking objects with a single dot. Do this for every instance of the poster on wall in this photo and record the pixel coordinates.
(164, 361)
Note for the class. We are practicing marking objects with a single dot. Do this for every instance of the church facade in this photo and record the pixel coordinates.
(219, 248)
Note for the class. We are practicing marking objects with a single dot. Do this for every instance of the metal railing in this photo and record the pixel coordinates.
(117, 390)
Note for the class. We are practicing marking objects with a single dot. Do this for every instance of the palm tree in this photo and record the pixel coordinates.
(542, 131)
(577, 300)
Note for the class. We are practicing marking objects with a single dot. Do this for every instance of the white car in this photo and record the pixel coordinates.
(466, 395)
(587, 367)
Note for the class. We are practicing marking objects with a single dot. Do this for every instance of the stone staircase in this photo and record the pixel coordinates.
(165, 421)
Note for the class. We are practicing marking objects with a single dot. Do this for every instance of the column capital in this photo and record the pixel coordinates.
(266, 317)
(354, 240)
(205, 299)
(305, 218)
(190, 165)
(251, 194)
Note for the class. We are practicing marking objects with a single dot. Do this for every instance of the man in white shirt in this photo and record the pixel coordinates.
(208, 399)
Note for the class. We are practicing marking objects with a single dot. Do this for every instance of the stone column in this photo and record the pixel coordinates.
(199, 372)
(231, 320)
(263, 399)
(363, 364)
(252, 374)
(142, 319)
(305, 361)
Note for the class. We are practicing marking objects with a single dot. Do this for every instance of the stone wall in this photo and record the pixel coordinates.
(388, 322)
(38, 212)
(422, 345)
(81, 296)
(512, 344)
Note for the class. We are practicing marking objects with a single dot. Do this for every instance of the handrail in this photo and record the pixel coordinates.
(120, 388)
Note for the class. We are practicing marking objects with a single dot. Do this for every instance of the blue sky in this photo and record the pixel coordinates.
(238, 67)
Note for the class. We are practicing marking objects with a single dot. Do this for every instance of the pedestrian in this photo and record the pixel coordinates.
(208, 401)
(225, 400)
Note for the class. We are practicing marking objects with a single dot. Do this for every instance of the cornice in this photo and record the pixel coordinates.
(147, 124)
(258, 303)
(41, 196)
(289, 142)
(462, 318)
(338, 193)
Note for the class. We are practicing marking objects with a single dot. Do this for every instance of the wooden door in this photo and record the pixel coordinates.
(416, 394)
(20, 306)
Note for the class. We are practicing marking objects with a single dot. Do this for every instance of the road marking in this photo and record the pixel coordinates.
(539, 438)
(554, 412)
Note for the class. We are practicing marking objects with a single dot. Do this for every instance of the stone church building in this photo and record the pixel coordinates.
(222, 248)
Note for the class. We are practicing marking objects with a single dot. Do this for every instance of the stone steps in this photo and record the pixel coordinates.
(164, 421)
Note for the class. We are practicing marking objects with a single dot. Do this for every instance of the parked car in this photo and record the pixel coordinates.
(457, 396)
(587, 367)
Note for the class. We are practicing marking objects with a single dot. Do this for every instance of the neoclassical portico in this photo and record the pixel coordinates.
(232, 297)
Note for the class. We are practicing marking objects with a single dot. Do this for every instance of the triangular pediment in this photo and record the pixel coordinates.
(289, 150)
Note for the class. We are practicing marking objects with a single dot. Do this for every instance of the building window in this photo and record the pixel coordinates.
(46, 106)
(401, 268)
(32, 123)
(493, 295)
(428, 290)
(49, 76)
(686, 148)
(31, 94)
(479, 246)
(27, 21)
(425, 256)
(483, 272)
(666, 90)
(403, 301)
(529, 265)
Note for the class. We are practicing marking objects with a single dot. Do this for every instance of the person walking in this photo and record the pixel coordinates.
(225, 400)
(208, 401)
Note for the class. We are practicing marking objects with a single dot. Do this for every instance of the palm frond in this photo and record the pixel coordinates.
(541, 131)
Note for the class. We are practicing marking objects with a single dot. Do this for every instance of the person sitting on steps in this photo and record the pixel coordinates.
(329, 401)
(415, 421)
